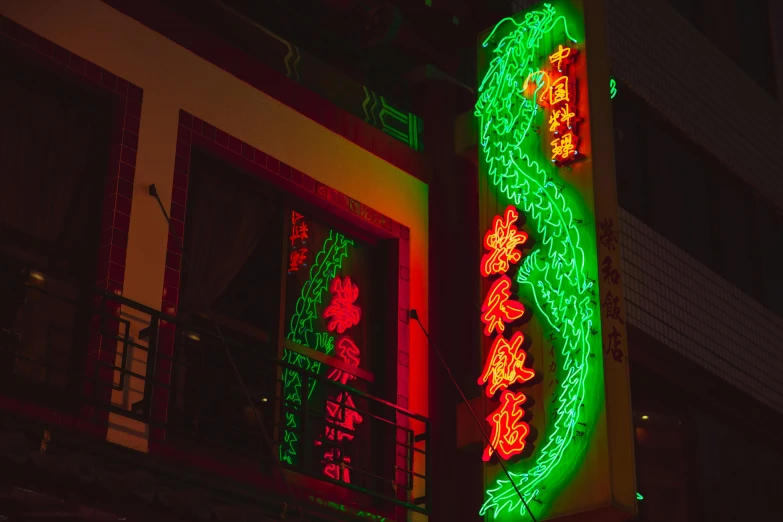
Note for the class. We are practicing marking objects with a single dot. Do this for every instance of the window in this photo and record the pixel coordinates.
(695, 201)
(282, 279)
(678, 182)
(769, 220)
(54, 144)
(741, 29)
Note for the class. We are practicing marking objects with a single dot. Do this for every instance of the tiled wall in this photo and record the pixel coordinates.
(669, 63)
(677, 300)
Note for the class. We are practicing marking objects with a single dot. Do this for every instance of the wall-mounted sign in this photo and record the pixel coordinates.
(555, 373)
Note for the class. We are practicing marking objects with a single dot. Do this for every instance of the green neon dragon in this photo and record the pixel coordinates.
(556, 275)
(325, 266)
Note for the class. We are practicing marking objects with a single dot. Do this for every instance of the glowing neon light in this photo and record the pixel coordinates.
(505, 364)
(328, 260)
(334, 468)
(348, 352)
(612, 88)
(558, 92)
(502, 242)
(639, 496)
(558, 275)
(497, 309)
(342, 313)
(560, 118)
(564, 148)
(341, 411)
(563, 54)
(298, 228)
(508, 430)
(297, 259)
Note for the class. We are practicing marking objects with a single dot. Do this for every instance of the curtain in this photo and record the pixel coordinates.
(227, 217)
(53, 149)
(230, 215)
(45, 146)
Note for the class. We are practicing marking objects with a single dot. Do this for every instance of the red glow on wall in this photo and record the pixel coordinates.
(502, 242)
(505, 364)
(343, 314)
(497, 309)
(508, 430)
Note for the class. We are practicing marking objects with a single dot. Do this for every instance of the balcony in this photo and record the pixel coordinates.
(91, 358)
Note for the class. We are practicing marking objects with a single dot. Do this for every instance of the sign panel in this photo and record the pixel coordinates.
(555, 372)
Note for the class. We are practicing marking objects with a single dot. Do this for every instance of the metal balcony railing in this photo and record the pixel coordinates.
(69, 350)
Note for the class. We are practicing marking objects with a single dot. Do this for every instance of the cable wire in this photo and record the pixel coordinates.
(154, 193)
(415, 316)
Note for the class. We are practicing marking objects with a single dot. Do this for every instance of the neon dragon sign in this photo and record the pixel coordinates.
(527, 107)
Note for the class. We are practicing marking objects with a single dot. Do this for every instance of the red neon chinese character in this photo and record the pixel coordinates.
(564, 148)
(341, 412)
(348, 352)
(557, 92)
(561, 117)
(333, 469)
(298, 231)
(497, 309)
(505, 364)
(501, 242)
(508, 430)
(295, 216)
(298, 258)
(343, 313)
(562, 55)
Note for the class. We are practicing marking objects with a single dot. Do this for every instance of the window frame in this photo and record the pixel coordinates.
(338, 209)
(126, 99)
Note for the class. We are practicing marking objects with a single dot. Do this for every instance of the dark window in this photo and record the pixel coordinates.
(54, 143)
(769, 221)
(269, 269)
(631, 126)
(733, 229)
(741, 29)
(692, 199)
(677, 181)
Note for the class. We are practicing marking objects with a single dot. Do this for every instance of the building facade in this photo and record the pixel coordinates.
(219, 216)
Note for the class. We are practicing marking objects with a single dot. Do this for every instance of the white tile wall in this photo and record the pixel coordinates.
(669, 63)
(677, 300)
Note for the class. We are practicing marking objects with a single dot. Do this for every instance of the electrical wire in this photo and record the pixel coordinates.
(154, 193)
(415, 316)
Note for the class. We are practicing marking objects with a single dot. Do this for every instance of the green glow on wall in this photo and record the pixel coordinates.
(324, 268)
(403, 126)
(558, 276)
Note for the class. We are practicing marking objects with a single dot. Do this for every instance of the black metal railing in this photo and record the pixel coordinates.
(176, 375)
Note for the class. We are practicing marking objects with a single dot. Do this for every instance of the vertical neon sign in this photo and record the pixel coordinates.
(529, 106)
(341, 411)
(505, 364)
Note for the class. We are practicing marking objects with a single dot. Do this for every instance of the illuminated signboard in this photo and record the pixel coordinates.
(555, 370)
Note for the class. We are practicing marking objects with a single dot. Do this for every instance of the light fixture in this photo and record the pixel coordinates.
(36, 278)
(645, 417)
(264, 399)
(193, 336)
